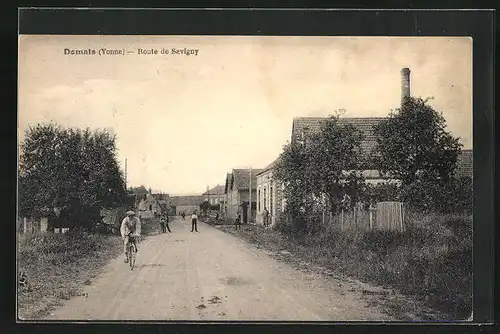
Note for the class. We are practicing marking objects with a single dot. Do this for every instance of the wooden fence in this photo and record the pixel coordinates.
(30, 225)
(389, 216)
(110, 223)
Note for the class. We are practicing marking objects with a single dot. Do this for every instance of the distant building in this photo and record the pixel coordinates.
(215, 195)
(269, 195)
(237, 189)
(148, 207)
(186, 204)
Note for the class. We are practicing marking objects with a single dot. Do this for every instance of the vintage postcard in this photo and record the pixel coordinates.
(244, 178)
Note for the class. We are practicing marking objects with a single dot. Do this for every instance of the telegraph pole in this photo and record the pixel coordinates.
(249, 215)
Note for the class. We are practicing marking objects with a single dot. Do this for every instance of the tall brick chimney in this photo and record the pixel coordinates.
(405, 83)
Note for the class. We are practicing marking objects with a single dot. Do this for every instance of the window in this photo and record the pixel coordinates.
(271, 200)
(265, 198)
(258, 200)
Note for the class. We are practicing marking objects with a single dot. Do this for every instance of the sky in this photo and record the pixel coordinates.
(183, 121)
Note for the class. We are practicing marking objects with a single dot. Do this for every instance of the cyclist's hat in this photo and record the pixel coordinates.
(130, 213)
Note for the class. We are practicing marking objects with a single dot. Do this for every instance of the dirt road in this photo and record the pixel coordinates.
(211, 275)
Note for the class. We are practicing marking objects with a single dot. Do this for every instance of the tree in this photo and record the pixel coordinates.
(140, 191)
(334, 157)
(413, 143)
(325, 166)
(291, 171)
(205, 206)
(69, 169)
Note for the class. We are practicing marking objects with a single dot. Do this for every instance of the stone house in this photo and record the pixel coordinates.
(304, 127)
(148, 207)
(238, 190)
(186, 204)
(215, 196)
(269, 195)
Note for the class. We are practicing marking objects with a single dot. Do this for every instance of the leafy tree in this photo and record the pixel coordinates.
(455, 196)
(69, 169)
(140, 191)
(291, 171)
(381, 192)
(333, 157)
(413, 143)
(205, 206)
(323, 167)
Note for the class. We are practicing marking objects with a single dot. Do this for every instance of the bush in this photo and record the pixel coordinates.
(59, 248)
(432, 259)
(282, 225)
(381, 192)
(432, 196)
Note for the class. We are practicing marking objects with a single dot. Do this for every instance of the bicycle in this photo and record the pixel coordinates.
(131, 250)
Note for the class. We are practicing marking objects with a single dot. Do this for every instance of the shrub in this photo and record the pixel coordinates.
(432, 196)
(432, 259)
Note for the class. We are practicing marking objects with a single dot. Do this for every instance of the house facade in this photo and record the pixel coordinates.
(270, 198)
(270, 193)
(240, 185)
(216, 196)
(148, 207)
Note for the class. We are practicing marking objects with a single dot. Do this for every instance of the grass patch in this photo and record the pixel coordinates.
(58, 266)
(430, 263)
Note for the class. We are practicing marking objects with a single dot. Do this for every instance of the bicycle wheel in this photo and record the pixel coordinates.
(132, 257)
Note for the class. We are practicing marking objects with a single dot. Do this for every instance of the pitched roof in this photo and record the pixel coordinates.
(241, 178)
(311, 125)
(186, 200)
(217, 190)
(465, 163)
(160, 196)
(270, 166)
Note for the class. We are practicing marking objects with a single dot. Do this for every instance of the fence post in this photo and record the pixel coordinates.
(354, 216)
(44, 223)
(342, 220)
(371, 216)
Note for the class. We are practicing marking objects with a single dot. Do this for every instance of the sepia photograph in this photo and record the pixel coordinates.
(244, 178)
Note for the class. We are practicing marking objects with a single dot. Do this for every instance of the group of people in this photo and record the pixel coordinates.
(164, 220)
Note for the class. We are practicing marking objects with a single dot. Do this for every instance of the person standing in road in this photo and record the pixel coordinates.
(266, 217)
(183, 215)
(237, 223)
(167, 219)
(162, 224)
(194, 222)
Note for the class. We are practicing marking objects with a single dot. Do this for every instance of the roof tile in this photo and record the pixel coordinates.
(364, 124)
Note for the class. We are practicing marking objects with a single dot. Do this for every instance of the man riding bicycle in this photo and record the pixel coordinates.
(130, 229)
